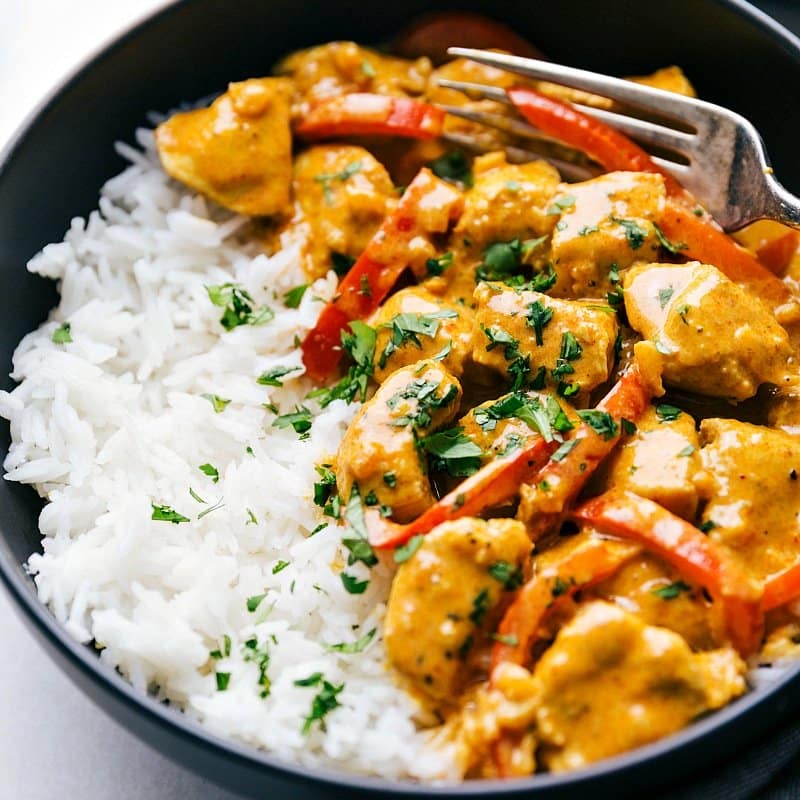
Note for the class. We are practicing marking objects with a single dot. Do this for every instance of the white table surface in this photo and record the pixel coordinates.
(55, 744)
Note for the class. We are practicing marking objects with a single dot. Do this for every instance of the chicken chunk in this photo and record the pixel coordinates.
(751, 485)
(560, 343)
(499, 427)
(503, 230)
(337, 68)
(659, 461)
(610, 683)
(413, 325)
(342, 195)
(714, 337)
(443, 595)
(237, 152)
(604, 225)
(379, 454)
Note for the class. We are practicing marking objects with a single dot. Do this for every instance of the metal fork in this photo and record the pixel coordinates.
(715, 153)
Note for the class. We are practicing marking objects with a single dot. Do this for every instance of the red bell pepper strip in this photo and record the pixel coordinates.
(606, 145)
(493, 484)
(707, 243)
(615, 151)
(776, 254)
(687, 549)
(362, 114)
(782, 588)
(591, 562)
(371, 278)
(560, 481)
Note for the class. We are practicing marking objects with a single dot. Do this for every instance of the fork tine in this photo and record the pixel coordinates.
(479, 89)
(683, 109)
(518, 155)
(515, 127)
(648, 133)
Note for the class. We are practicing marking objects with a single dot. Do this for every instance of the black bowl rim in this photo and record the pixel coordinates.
(81, 658)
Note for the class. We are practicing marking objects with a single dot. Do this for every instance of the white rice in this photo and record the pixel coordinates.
(116, 420)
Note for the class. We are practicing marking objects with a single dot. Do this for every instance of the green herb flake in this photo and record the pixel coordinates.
(272, 377)
(166, 514)
(254, 602)
(367, 69)
(318, 528)
(293, 297)
(560, 586)
(707, 526)
(561, 204)
(454, 167)
(628, 427)
(300, 420)
(537, 317)
(219, 404)
(360, 549)
(408, 327)
(480, 605)
(359, 344)
(687, 451)
(564, 450)
(237, 306)
(672, 590)
(328, 179)
(280, 566)
(193, 494)
(672, 247)
(62, 334)
(601, 422)
(667, 413)
(390, 479)
(223, 679)
(357, 646)
(211, 471)
(405, 551)
(453, 452)
(251, 518)
(508, 639)
(312, 680)
(352, 584)
(436, 266)
(665, 295)
(634, 233)
(325, 486)
(252, 651)
(587, 229)
(341, 263)
(507, 574)
(325, 701)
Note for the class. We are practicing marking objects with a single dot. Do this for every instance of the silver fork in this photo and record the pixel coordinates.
(715, 153)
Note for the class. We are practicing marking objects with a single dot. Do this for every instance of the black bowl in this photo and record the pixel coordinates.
(54, 168)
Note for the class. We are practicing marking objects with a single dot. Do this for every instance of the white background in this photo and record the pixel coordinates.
(54, 743)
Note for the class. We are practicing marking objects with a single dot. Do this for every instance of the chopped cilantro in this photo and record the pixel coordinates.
(436, 266)
(293, 297)
(224, 651)
(587, 229)
(408, 327)
(564, 450)
(538, 316)
(453, 166)
(299, 420)
(211, 471)
(507, 574)
(223, 679)
(628, 427)
(505, 638)
(560, 586)
(367, 69)
(254, 602)
(359, 344)
(665, 295)
(352, 584)
(341, 263)
(428, 401)
(272, 377)
(672, 590)
(323, 703)
(237, 305)
(667, 413)
(166, 514)
(634, 233)
(672, 247)
(707, 526)
(260, 655)
(280, 566)
(601, 422)
(325, 486)
(480, 605)
(353, 647)
(452, 452)
(559, 205)
(403, 552)
(360, 549)
(390, 479)
(687, 451)
(193, 494)
(62, 334)
(218, 403)
(327, 179)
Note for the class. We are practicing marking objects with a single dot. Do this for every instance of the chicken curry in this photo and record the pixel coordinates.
(578, 439)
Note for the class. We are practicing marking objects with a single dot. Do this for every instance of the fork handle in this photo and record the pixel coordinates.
(781, 204)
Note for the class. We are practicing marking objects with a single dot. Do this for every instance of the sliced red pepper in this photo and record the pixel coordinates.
(362, 114)
(782, 588)
(376, 271)
(493, 484)
(707, 243)
(606, 145)
(687, 549)
(613, 150)
(560, 481)
(592, 561)
(776, 255)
